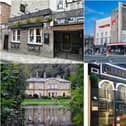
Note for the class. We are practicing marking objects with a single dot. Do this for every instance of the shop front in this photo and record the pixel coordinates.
(68, 35)
(31, 34)
(108, 103)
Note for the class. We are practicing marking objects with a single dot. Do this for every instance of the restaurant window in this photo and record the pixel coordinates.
(16, 36)
(35, 36)
(122, 92)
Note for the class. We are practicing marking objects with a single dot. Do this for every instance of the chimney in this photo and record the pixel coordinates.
(44, 75)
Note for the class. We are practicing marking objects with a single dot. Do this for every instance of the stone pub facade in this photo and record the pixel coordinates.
(46, 28)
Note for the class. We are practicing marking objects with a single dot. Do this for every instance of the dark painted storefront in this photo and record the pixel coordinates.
(68, 34)
(108, 94)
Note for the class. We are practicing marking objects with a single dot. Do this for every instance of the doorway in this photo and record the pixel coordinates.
(66, 43)
(6, 37)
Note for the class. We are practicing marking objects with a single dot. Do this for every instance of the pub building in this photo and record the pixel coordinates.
(107, 94)
(54, 29)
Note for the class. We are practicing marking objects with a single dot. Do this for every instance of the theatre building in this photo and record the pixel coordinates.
(47, 28)
(51, 87)
(118, 30)
(107, 95)
(110, 32)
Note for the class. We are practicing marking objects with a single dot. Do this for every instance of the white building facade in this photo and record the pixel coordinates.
(111, 31)
(103, 31)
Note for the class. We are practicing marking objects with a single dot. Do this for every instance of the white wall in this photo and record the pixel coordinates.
(103, 30)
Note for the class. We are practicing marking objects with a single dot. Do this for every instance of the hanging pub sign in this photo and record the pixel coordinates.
(46, 38)
(22, 8)
(113, 71)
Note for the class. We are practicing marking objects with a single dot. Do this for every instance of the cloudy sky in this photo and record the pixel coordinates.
(7, 1)
(95, 10)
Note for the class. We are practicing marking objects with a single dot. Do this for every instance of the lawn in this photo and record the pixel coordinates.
(45, 102)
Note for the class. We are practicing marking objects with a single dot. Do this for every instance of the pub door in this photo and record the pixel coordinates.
(6, 37)
(66, 43)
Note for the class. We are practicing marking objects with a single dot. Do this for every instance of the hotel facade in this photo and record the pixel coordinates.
(51, 87)
(47, 28)
(111, 31)
(107, 95)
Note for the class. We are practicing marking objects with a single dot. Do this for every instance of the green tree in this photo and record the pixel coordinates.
(76, 103)
(12, 89)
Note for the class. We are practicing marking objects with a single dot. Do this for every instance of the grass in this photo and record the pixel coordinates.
(45, 102)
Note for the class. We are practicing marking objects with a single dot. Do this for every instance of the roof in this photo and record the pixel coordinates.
(5, 3)
(46, 79)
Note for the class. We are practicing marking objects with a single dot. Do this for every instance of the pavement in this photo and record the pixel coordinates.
(9, 57)
(105, 59)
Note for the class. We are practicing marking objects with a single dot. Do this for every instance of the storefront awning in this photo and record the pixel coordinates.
(72, 27)
(31, 25)
(116, 44)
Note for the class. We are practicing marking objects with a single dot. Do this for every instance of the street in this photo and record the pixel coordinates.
(8, 57)
(105, 59)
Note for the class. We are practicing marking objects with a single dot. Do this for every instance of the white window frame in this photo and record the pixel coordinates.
(16, 36)
(34, 36)
(30, 86)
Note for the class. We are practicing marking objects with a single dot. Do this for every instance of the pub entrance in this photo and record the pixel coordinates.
(6, 37)
(68, 44)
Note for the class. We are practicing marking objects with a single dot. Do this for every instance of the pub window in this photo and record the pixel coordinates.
(16, 36)
(35, 36)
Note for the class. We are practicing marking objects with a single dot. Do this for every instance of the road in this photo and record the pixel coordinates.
(8, 57)
(105, 59)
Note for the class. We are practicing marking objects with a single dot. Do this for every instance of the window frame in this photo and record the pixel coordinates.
(35, 36)
(16, 36)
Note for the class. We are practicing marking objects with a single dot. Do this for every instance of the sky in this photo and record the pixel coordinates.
(96, 10)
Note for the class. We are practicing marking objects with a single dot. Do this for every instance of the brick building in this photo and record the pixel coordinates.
(46, 28)
(4, 33)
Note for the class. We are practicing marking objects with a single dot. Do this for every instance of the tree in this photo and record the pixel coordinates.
(12, 91)
(76, 103)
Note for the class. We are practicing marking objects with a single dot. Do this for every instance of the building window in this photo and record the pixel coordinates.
(64, 94)
(49, 94)
(60, 4)
(35, 36)
(55, 86)
(30, 86)
(16, 36)
(106, 33)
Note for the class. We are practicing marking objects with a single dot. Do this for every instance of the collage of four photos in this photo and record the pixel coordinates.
(63, 62)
